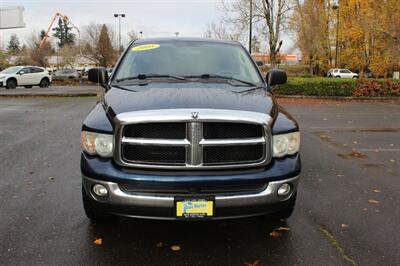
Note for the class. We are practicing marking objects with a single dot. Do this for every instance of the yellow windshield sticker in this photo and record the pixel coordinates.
(145, 47)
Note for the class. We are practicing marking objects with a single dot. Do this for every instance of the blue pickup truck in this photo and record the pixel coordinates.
(188, 129)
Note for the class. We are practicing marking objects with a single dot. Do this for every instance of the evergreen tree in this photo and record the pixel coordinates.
(63, 33)
(13, 46)
(104, 48)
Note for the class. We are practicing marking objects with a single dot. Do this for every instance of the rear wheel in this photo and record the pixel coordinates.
(91, 210)
(44, 83)
(11, 84)
(28, 87)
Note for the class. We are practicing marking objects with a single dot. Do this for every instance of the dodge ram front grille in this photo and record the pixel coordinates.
(187, 139)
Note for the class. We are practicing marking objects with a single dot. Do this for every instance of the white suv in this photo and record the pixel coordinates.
(26, 76)
(342, 73)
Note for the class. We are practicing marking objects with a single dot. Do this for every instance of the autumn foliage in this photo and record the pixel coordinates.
(368, 36)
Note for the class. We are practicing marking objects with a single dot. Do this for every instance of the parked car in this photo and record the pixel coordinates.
(188, 129)
(341, 73)
(66, 74)
(26, 76)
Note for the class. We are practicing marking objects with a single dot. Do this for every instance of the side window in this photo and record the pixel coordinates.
(26, 70)
(36, 70)
(347, 71)
(343, 71)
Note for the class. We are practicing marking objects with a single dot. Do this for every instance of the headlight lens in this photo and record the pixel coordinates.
(286, 144)
(95, 143)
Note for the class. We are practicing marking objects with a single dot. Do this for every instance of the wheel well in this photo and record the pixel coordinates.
(44, 79)
(16, 82)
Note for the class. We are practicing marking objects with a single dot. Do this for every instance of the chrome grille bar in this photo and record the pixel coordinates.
(158, 142)
(194, 143)
(230, 142)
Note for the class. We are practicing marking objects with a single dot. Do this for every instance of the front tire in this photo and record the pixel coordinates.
(44, 83)
(11, 84)
(91, 210)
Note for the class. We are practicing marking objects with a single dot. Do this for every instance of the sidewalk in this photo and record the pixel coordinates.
(52, 91)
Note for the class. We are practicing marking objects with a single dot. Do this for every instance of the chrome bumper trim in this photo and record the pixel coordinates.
(118, 197)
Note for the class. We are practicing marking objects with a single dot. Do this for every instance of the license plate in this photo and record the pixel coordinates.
(194, 208)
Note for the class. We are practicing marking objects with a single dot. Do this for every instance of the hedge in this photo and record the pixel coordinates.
(339, 87)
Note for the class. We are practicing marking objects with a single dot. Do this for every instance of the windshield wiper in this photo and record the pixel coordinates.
(146, 76)
(208, 76)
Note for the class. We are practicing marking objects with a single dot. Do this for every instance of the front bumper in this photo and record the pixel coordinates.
(163, 206)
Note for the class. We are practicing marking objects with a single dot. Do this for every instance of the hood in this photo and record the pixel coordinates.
(188, 95)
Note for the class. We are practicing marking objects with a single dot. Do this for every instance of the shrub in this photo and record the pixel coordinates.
(317, 87)
(339, 87)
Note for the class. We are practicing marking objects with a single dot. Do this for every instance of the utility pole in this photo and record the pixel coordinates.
(119, 16)
(250, 25)
(336, 7)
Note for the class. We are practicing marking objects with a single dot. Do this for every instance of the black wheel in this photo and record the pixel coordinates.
(44, 83)
(338, 77)
(355, 77)
(286, 213)
(11, 84)
(91, 210)
(28, 87)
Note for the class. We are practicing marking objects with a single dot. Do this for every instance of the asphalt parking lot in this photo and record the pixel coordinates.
(347, 210)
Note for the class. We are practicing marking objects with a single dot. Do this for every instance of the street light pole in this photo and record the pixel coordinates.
(336, 7)
(119, 16)
(251, 24)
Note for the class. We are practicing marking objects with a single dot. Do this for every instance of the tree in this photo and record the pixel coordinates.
(3, 58)
(312, 24)
(133, 36)
(63, 33)
(47, 47)
(104, 48)
(221, 31)
(270, 16)
(68, 54)
(13, 46)
(91, 44)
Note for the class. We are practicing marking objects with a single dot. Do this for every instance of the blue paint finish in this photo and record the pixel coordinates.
(98, 121)
(284, 123)
(105, 169)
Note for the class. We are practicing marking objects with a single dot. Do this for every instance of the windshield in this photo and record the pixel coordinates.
(188, 59)
(10, 70)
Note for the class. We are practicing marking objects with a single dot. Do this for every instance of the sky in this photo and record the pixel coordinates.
(155, 18)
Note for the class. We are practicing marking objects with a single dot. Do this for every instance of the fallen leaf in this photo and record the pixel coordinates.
(257, 262)
(51, 178)
(339, 175)
(355, 142)
(376, 190)
(98, 241)
(175, 248)
(159, 245)
(373, 201)
(325, 119)
(275, 234)
(392, 160)
(365, 209)
(344, 226)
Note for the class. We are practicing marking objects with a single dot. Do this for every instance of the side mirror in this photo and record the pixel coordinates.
(99, 75)
(21, 72)
(276, 77)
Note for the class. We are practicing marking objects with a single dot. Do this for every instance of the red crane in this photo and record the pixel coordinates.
(66, 20)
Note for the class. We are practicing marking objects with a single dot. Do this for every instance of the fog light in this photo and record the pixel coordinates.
(100, 190)
(284, 190)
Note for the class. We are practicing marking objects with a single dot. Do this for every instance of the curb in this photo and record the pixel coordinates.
(47, 95)
(338, 98)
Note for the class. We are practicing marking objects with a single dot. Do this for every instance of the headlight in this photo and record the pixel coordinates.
(286, 144)
(95, 143)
